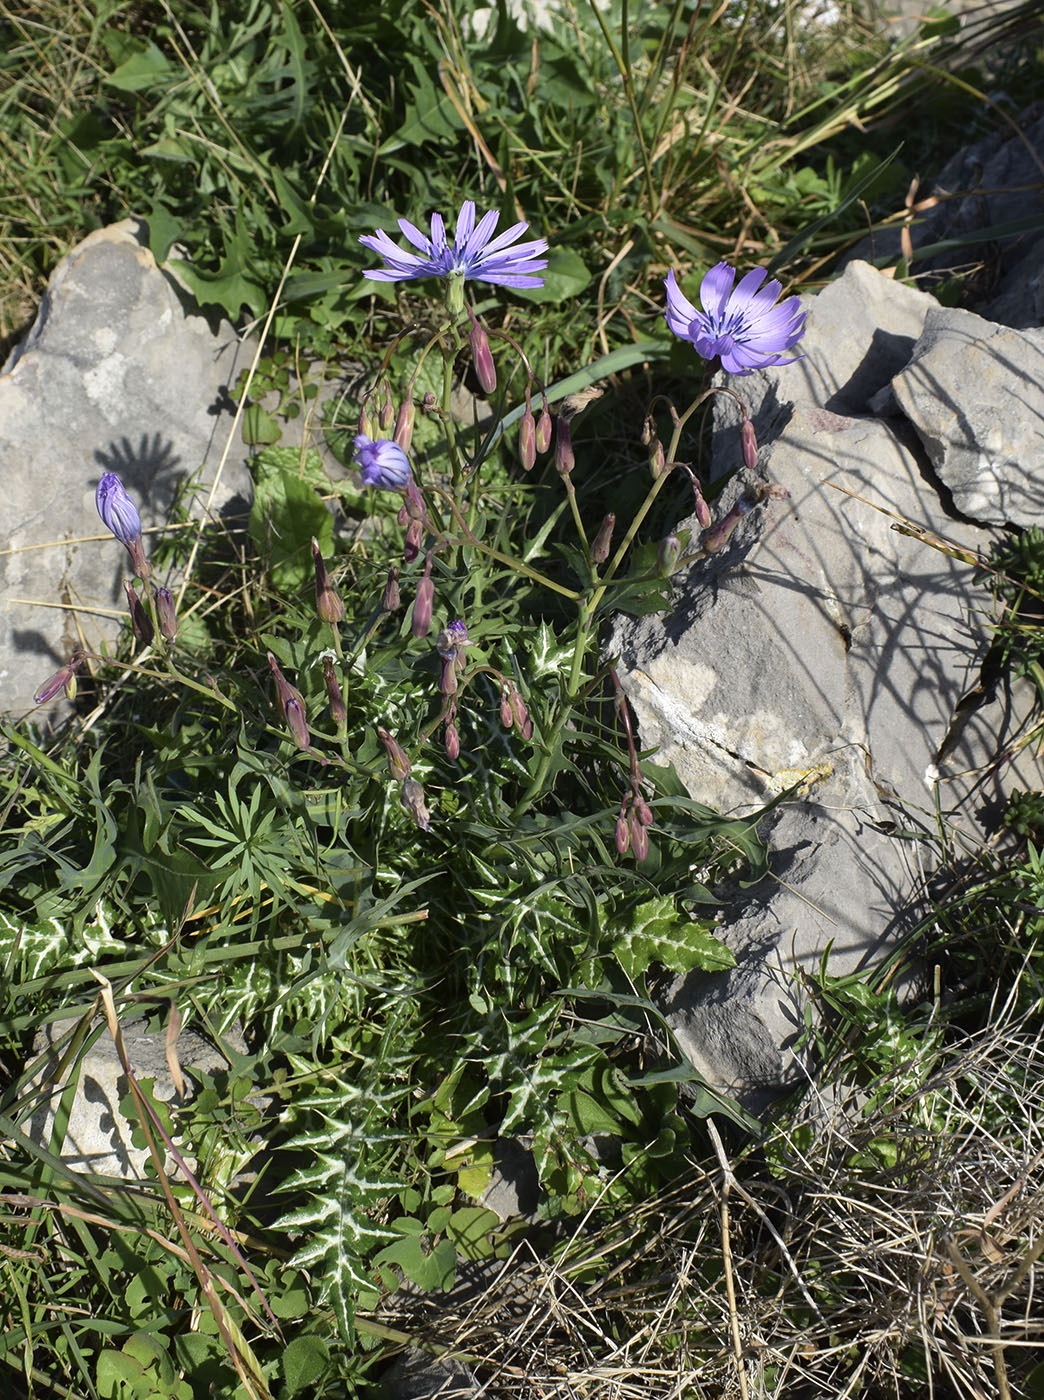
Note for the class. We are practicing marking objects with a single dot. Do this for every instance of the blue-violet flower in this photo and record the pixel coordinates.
(120, 515)
(383, 463)
(474, 254)
(744, 327)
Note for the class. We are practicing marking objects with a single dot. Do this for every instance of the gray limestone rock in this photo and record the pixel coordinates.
(831, 656)
(121, 372)
(974, 391)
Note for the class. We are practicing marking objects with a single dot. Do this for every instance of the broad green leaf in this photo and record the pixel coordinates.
(303, 1362)
(660, 934)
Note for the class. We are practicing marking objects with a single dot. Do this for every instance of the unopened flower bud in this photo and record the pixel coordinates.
(648, 430)
(703, 514)
(120, 515)
(141, 623)
(166, 612)
(639, 836)
(291, 706)
(623, 835)
(521, 714)
(334, 694)
(367, 423)
(657, 459)
(527, 440)
(422, 605)
(403, 434)
(390, 601)
(413, 502)
(412, 543)
(667, 555)
(565, 459)
(482, 356)
(411, 795)
(65, 679)
(645, 814)
(602, 541)
(749, 444)
(387, 412)
(452, 741)
(448, 677)
(543, 428)
(327, 600)
(715, 538)
(507, 715)
(397, 760)
(431, 403)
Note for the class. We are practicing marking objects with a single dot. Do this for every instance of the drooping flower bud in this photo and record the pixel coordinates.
(387, 412)
(565, 459)
(520, 713)
(338, 712)
(65, 679)
(328, 602)
(507, 714)
(543, 428)
(120, 515)
(645, 814)
(448, 677)
(667, 555)
(749, 444)
(623, 835)
(527, 439)
(451, 738)
(422, 604)
(390, 601)
(411, 795)
(141, 623)
(717, 537)
(403, 434)
(291, 706)
(703, 514)
(639, 836)
(367, 423)
(603, 540)
(648, 431)
(413, 503)
(657, 459)
(397, 760)
(482, 356)
(412, 543)
(166, 612)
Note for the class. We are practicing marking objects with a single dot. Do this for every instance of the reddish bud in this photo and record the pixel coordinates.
(623, 835)
(65, 679)
(543, 428)
(431, 403)
(482, 356)
(452, 741)
(387, 412)
(527, 440)
(602, 541)
(141, 623)
(703, 514)
(397, 760)
(412, 543)
(565, 459)
(334, 695)
(327, 600)
(448, 677)
(520, 713)
(644, 811)
(714, 539)
(749, 444)
(166, 613)
(390, 601)
(422, 605)
(411, 795)
(291, 706)
(657, 459)
(507, 715)
(403, 434)
(639, 836)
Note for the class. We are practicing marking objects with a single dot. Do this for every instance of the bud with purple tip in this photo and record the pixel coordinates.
(382, 463)
(65, 679)
(291, 706)
(565, 459)
(412, 543)
(166, 612)
(120, 515)
(390, 600)
(328, 602)
(717, 537)
(397, 760)
(482, 356)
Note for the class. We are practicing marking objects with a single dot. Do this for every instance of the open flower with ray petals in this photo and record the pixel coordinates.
(743, 327)
(474, 253)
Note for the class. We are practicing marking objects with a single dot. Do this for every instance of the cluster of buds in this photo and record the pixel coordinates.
(413, 514)
(292, 708)
(411, 794)
(632, 825)
(513, 711)
(534, 434)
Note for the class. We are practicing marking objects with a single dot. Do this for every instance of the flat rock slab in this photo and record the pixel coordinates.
(121, 372)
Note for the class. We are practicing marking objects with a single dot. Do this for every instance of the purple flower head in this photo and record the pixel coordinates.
(745, 327)
(474, 254)
(118, 512)
(383, 463)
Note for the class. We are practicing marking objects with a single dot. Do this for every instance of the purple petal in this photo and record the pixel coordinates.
(716, 288)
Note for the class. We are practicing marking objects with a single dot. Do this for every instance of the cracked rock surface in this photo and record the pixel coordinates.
(828, 653)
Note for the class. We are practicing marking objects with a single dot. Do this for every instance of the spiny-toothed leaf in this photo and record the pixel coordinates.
(659, 933)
